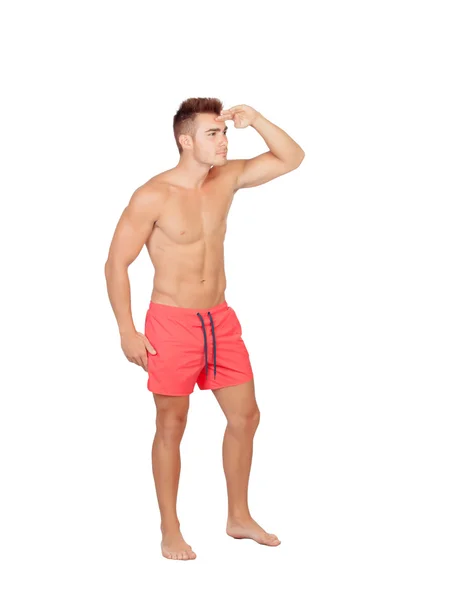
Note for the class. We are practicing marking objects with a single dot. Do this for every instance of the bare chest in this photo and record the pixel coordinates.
(190, 217)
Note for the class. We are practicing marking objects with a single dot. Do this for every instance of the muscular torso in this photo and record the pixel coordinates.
(186, 245)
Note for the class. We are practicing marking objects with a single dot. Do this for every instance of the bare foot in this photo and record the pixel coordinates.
(173, 546)
(250, 529)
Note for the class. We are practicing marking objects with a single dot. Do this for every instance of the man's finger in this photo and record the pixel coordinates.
(234, 108)
(149, 347)
(144, 360)
(140, 362)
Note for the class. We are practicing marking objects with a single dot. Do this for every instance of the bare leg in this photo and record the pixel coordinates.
(240, 407)
(171, 420)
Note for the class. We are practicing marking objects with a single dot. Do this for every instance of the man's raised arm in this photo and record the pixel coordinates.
(284, 153)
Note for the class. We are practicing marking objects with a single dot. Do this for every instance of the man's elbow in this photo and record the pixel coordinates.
(301, 156)
(297, 160)
(108, 265)
(112, 265)
(107, 268)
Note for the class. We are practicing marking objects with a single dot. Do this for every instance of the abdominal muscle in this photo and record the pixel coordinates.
(190, 275)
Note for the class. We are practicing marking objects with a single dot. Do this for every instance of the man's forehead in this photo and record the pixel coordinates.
(207, 121)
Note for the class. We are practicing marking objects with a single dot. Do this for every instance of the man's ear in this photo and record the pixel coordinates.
(185, 141)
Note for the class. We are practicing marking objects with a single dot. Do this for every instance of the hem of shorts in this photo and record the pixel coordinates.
(219, 387)
(169, 393)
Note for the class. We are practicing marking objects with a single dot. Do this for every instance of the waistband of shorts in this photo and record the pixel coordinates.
(181, 311)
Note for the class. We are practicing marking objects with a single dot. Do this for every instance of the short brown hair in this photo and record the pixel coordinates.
(183, 121)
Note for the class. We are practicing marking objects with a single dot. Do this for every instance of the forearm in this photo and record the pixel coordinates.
(118, 287)
(278, 141)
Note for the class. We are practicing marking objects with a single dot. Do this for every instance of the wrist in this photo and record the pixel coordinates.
(126, 330)
(258, 117)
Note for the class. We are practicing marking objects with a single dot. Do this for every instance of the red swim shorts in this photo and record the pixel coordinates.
(202, 346)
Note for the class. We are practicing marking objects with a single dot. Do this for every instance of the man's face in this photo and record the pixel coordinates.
(210, 144)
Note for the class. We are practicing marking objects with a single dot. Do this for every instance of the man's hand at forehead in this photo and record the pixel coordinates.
(242, 115)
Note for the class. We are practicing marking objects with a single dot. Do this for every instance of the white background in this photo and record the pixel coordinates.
(345, 274)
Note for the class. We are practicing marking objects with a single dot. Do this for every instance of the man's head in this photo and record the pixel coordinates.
(196, 131)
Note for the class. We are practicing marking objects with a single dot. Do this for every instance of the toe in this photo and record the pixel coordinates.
(166, 553)
(184, 555)
(275, 541)
(191, 554)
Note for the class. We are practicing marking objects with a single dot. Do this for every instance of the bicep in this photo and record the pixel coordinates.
(258, 170)
(134, 227)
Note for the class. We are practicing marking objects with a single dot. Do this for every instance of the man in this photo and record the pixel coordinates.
(191, 334)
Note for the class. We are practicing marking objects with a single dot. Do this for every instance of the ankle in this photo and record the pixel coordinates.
(170, 526)
(239, 516)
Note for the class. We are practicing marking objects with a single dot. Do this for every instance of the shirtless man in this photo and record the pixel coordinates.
(191, 334)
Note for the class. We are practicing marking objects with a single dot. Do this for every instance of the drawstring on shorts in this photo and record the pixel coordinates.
(205, 344)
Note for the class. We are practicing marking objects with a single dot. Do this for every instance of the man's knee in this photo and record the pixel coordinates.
(171, 416)
(245, 422)
(170, 424)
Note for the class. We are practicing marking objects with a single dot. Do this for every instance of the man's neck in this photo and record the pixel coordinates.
(191, 174)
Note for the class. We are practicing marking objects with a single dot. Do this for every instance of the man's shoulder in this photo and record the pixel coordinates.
(229, 172)
(232, 166)
(156, 188)
(234, 163)
(157, 182)
(149, 198)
